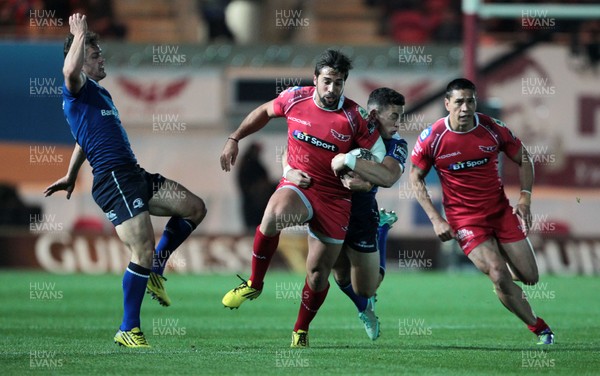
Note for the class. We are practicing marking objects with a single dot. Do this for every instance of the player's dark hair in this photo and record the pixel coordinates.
(91, 39)
(383, 97)
(459, 84)
(334, 59)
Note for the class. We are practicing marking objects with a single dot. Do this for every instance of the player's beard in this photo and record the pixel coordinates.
(327, 104)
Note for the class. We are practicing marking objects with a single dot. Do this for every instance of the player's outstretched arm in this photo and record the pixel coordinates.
(441, 228)
(255, 121)
(67, 183)
(74, 78)
(526, 176)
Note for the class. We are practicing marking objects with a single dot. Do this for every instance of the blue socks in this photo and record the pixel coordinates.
(136, 277)
(359, 301)
(176, 231)
(382, 234)
(134, 288)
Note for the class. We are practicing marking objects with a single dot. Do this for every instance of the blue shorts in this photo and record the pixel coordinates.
(364, 220)
(124, 192)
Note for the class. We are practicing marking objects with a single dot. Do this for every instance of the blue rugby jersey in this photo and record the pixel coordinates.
(95, 125)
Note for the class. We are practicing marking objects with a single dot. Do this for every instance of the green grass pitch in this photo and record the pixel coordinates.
(445, 324)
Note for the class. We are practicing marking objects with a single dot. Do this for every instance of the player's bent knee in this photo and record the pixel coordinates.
(317, 278)
(499, 276)
(341, 276)
(199, 211)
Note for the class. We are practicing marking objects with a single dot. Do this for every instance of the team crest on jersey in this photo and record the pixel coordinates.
(488, 149)
(426, 132)
(340, 137)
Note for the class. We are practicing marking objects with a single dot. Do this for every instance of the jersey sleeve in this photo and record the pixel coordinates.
(398, 150)
(286, 99)
(73, 97)
(510, 144)
(421, 155)
(367, 133)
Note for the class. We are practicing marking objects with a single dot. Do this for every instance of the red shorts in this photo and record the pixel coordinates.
(505, 227)
(328, 214)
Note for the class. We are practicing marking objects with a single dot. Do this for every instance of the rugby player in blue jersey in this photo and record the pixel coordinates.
(126, 193)
(360, 267)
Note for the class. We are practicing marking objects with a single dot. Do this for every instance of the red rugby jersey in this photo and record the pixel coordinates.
(467, 165)
(316, 135)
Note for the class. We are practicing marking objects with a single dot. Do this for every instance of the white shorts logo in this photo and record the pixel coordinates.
(138, 203)
(111, 215)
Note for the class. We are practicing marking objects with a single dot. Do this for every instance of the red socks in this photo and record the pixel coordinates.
(311, 301)
(263, 251)
(540, 325)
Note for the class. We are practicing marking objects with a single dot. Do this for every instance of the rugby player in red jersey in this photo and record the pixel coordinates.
(360, 268)
(464, 147)
(321, 123)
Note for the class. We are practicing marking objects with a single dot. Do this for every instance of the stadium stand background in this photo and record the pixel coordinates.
(181, 88)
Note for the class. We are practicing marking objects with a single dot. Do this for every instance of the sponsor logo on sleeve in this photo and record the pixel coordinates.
(426, 132)
(500, 123)
(417, 150)
(400, 152)
(363, 113)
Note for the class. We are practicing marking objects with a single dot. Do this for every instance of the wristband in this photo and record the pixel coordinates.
(350, 161)
(286, 169)
(233, 139)
(526, 191)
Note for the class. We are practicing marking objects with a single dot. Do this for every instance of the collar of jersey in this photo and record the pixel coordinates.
(448, 127)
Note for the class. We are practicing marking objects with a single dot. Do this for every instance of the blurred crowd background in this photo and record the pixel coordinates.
(183, 73)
